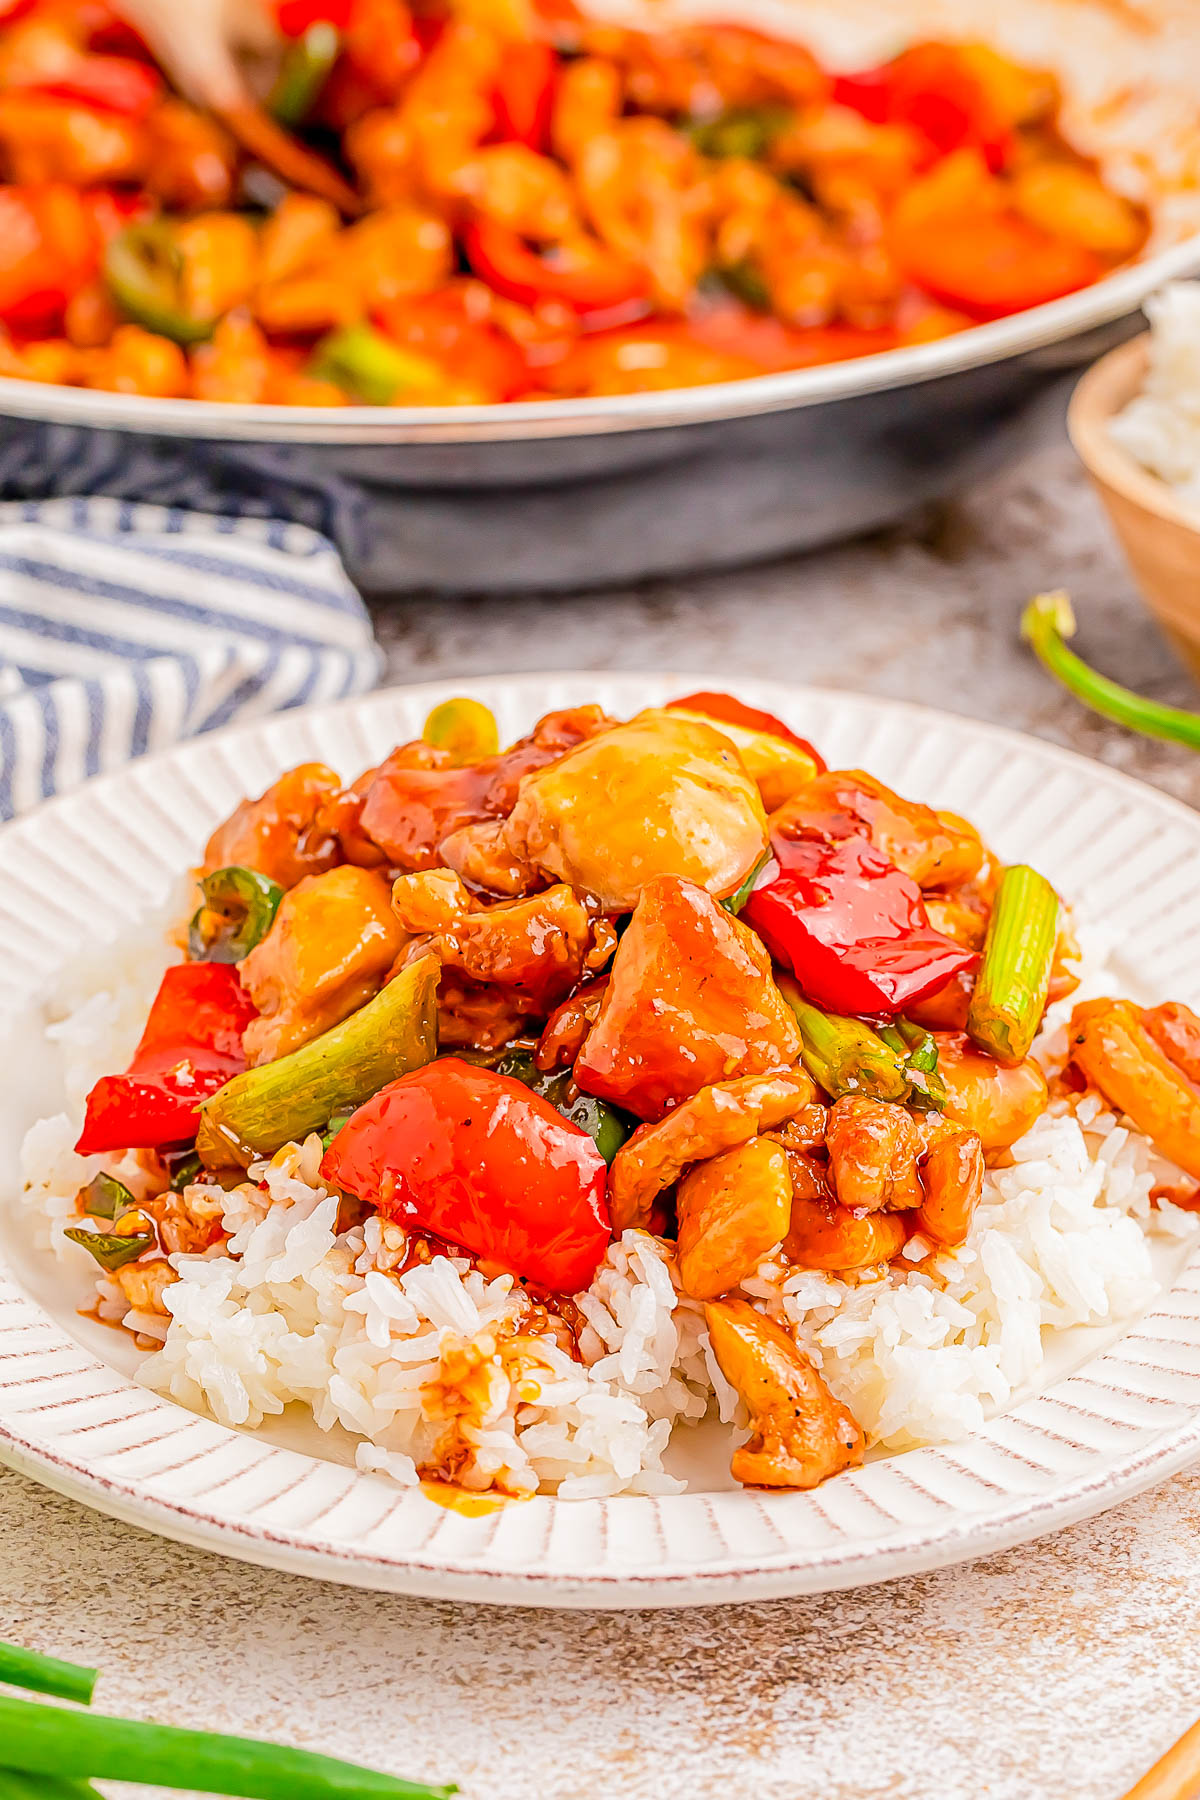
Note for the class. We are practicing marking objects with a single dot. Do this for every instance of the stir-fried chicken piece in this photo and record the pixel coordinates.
(480, 854)
(280, 834)
(1145, 1064)
(873, 1149)
(1176, 1030)
(733, 1210)
(501, 964)
(189, 1222)
(718, 1118)
(340, 815)
(998, 1104)
(939, 850)
(662, 795)
(777, 766)
(144, 1283)
(947, 1009)
(568, 1025)
(883, 1159)
(799, 1434)
(690, 1001)
(679, 72)
(333, 941)
(824, 1234)
(951, 1173)
(419, 796)
(961, 915)
(642, 187)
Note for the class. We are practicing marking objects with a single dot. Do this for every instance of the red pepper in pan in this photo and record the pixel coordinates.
(192, 1045)
(933, 89)
(111, 84)
(585, 275)
(480, 1160)
(524, 96)
(851, 927)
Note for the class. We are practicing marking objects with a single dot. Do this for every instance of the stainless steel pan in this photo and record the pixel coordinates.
(563, 494)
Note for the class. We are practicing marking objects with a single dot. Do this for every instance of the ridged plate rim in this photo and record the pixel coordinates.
(1128, 1416)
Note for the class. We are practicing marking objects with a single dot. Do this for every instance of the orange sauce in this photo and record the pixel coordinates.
(456, 1499)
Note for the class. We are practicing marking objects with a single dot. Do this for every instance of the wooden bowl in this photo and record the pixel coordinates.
(1160, 538)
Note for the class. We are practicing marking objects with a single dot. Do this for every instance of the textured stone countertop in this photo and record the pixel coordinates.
(1054, 1672)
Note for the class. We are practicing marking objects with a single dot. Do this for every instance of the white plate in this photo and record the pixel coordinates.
(1115, 1416)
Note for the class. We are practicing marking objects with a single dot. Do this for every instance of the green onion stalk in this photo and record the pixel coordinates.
(71, 1748)
(918, 1050)
(19, 1784)
(369, 367)
(46, 1674)
(845, 1056)
(307, 65)
(1046, 625)
(264, 1108)
(1013, 981)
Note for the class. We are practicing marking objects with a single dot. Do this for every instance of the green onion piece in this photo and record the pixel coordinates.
(844, 1056)
(104, 1197)
(467, 728)
(264, 1108)
(143, 266)
(239, 910)
(52, 1740)
(333, 1127)
(369, 367)
(746, 282)
(918, 1048)
(607, 1127)
(185, 1169)
(746, 131)
(110, 1250)
(18, 1784)
(46, 1674)
(734, 903)
(1014, 972)
(1046, 624)
(306, 67)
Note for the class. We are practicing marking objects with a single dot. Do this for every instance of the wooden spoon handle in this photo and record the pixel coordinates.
(295, 164)
(1175, 1776)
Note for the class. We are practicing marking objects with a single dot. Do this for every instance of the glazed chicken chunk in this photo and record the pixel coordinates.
(690, 1001)
(333, 941)
(662, 795)
(280, 834)
(799, 1434)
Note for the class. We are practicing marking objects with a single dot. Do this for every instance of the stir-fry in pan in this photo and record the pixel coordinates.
(514, 202)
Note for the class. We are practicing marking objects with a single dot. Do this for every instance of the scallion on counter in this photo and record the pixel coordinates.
(1046, 625)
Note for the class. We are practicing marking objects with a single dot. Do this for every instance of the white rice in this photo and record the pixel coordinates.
(431, 1367)
(1160, 427)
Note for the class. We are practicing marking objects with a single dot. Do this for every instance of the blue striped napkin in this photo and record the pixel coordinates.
(125, 627)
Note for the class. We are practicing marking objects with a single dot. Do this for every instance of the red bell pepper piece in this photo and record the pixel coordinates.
(50, 245)
(851, 927)
(480, 1160)
(192, 1045)
(294, 17)
(931, 88)
(725, 706)
(585, 276)
(440, 326)
(524, 96)
(111, 84)
(991, 264)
